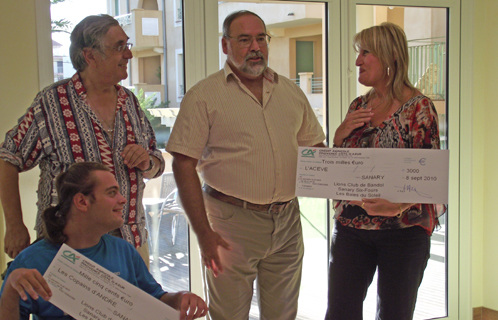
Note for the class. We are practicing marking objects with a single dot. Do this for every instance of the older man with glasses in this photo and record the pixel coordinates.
(89, 117)
(241, 128)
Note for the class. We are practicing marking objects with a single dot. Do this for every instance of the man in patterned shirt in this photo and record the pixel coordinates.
(88, 117)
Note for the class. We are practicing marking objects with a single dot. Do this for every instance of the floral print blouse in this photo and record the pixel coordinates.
(414, 125)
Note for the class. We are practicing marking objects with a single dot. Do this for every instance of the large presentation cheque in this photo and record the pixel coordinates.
(398, 175)
(85, 290)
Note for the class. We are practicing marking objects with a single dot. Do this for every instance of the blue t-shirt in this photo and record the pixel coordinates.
(114, 254)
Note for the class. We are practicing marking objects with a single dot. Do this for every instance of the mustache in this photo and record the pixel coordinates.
(255, 55)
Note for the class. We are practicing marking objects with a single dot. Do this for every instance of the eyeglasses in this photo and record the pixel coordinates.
(122, 48)
(246, 41)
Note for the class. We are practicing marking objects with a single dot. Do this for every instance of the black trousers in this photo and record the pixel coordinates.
(400, 256)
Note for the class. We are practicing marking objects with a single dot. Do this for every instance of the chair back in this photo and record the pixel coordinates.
(168, 184)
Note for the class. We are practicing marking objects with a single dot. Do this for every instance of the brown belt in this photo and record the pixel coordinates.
(275, 207)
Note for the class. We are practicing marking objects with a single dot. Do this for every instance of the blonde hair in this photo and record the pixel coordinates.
(388, 43)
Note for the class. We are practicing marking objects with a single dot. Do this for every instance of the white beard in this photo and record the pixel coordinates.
(253, 68)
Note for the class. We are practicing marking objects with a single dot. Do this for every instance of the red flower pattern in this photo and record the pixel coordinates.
(414, 125)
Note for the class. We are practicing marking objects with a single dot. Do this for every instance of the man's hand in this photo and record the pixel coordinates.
(190, 305)
(16, 233)
(28, 281)
(209, 244)
(189, 189)
(16, 239)
(134, 155)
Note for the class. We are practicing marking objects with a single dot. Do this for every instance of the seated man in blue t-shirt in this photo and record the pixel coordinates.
(90, 206)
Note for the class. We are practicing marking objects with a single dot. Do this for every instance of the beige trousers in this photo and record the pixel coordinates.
(266, 248)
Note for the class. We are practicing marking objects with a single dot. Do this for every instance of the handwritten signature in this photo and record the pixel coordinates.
(410, 188)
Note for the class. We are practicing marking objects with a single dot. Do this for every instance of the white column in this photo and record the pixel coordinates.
(305, 81)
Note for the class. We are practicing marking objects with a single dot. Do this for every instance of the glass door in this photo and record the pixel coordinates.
(427, 40)
(433, 39)
(340, 21)
(156, 75)
(158, 78)
(298, 51)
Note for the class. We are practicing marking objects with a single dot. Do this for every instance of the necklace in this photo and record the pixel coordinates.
(108, 127)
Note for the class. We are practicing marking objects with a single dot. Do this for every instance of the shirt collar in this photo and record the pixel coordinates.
(80, 88)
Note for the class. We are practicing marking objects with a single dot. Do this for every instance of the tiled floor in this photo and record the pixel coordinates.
(171, 268)
(313, 299)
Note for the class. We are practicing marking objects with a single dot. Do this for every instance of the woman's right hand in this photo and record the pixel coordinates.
(353, 120)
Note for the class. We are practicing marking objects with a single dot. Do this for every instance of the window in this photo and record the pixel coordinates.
(427, 72)
(341, 88)
(298, 32)
(178, 12)
(60, 69)
(116, 7)
(432, 31)
(180, 83)
(159, 93)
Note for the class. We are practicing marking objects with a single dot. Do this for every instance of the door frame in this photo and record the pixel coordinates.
(201, 49)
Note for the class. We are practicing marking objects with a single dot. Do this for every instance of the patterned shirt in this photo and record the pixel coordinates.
(414, 125)
(60, 128)
(247, 149)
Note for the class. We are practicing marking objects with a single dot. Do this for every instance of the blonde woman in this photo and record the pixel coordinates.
(375, 233)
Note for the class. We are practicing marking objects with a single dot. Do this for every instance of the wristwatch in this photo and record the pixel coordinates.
(152, 164)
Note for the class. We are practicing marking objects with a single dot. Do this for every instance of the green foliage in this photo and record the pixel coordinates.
(145, 102)
(148, 103)
(164, 104)
(162, 133)
(61, 25)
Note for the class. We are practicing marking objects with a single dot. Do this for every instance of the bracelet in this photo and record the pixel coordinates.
(152, 164)
(400, 211)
